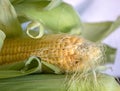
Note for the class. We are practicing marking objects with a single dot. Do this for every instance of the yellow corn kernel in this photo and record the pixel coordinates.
(68, 52)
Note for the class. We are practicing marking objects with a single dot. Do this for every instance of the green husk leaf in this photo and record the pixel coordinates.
(9, 23)
(35, 29)
(16, 1)
(102, 83)
(2, 37)
(62, 18)
(51, 3)
(49, 68)
(99, 31)
(43, 82)
(95, 31)
(110, 54)
(32, 65)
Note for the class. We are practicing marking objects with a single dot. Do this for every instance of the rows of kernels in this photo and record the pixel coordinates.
(59, 50)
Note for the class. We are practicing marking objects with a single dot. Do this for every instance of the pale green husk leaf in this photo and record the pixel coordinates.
(110, 54)
(51, 82)
(100, 30)
(2, 38)
(9, 23)
(103, 83)
(95, 31)
(29, 66)
(60, 19)
(35, 30)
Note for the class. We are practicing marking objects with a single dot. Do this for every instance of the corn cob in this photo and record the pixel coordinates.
(68, 52)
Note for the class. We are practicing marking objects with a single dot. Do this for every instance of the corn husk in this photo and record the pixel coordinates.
(50, 3)
(28, 66)
(9, 23)
(35, 30)
(56, 17)
(103, 83)
(2, 38)
(99, 30)
(110, 54)
(59, 18)
(50, 82)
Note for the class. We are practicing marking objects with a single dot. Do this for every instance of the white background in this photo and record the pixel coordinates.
(102, 10)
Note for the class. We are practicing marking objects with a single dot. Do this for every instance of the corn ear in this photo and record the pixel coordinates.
(68, 52)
